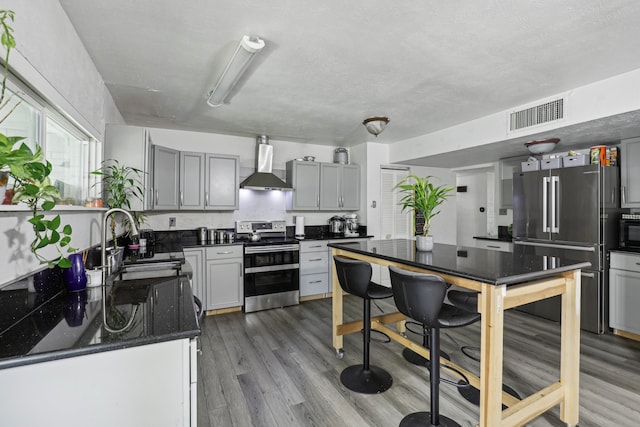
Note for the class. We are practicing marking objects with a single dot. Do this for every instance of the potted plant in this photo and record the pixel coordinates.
(421, 196)
(30, 175)
(120, 184)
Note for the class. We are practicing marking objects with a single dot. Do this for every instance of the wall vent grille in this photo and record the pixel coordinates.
(543, 113)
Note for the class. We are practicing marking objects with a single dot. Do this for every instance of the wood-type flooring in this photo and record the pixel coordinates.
(278, 368)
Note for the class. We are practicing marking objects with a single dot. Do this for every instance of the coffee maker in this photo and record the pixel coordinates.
(351, 225)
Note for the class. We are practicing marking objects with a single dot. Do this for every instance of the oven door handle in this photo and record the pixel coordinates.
(270, 268)
(275, 248)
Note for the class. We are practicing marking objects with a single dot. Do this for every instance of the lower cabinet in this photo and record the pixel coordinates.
(314, 268)
(217, 275)
(624, 292)
(496, 245)
(145, 385)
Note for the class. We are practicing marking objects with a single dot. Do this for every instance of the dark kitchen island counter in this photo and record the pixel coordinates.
(503, 280)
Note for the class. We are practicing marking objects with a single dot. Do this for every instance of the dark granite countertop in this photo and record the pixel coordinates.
(483, 265)
(51, 323)
(334, 237)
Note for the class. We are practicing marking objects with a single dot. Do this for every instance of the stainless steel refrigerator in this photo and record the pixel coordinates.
(570, 214)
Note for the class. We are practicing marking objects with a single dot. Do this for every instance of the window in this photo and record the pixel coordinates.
(72, 152)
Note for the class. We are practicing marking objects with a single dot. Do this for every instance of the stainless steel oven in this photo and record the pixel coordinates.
(271, 266)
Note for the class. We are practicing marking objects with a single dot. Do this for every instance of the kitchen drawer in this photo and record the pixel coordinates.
(313, 245)
(314, 262)
(314, 284)
(495, 245)
(625, 261)
(226, 251)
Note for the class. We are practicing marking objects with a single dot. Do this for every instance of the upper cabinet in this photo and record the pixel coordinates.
(166, 169)
(630, 172)
(339, 187)
(222, 179)
(305, 179)
(131, 146)
(192, 195)
(323, 186)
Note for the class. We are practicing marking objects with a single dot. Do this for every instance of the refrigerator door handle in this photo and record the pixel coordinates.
(555, 208)
(589, 275)
(545, 204)
(552, 245)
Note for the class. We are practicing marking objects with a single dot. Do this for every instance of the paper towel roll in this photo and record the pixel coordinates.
(299, 226)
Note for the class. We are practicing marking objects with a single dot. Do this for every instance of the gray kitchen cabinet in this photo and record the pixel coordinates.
(339, 187)
(305, 179)
(222, 180)
(624, 292)
(195, 258)
(314, 268)
(132, 147)
(192, 172)
(630, 172)
(224, 273)
(166, 168)
(496, 245)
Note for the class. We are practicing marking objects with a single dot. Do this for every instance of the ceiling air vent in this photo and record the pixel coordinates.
(543, 113)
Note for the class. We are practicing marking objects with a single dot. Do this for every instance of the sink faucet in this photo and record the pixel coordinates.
(103, 253)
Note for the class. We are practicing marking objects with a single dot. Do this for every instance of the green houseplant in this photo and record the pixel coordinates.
(120, 184)
(421, 196)
(30, 175)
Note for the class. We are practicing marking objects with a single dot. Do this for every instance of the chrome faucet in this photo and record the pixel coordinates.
(103, 253)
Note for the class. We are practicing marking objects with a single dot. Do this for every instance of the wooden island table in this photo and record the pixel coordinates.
(504, 280)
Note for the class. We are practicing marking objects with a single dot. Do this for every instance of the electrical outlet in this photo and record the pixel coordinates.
(172, 221)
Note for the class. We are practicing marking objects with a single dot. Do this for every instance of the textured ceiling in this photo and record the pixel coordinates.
(327, 65)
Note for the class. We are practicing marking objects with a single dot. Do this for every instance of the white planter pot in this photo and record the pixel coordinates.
(424, 243)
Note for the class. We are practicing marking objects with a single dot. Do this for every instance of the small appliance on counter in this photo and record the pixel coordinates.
(299, 222)
(629, 232)
(351, 225)
(202, 235)
(336, 225)
(147, 242)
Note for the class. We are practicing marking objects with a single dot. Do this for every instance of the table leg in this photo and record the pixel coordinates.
(336, 307)
(492, 335)
(570, 349)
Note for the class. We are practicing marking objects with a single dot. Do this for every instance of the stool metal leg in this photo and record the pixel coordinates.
(365, 378)
(432, 418)
(413, 357)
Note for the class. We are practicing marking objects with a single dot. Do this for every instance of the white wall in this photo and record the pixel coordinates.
(609, 97)
(51, 58)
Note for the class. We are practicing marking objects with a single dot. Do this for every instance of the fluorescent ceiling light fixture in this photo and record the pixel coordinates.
(375, 125)
(242, 57)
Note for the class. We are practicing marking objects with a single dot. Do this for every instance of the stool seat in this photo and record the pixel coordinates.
(354, 277)
(453, 317)
(375, 291)
(465, 300)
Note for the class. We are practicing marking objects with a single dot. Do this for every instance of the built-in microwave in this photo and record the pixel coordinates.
(630, 232)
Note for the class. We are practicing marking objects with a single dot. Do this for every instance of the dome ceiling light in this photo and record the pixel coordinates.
(542, 146)
(375, 125)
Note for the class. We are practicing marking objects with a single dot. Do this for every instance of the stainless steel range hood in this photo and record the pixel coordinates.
(263, 178)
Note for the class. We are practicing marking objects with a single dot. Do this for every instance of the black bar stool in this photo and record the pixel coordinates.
(355, 278)
(421, 297)
(469, 301)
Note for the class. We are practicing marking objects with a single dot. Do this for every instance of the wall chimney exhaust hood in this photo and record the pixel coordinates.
(263, 178)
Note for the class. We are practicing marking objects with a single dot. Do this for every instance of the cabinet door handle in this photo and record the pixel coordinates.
(181, 198)
(317, 246)
(316, 281)
(317, 259)
(156, 197)
(206, 198)
(318, 201)
(224, 253)
(624, 194)
(493, 246)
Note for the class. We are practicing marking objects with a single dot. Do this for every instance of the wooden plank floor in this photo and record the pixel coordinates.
(277, 368)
